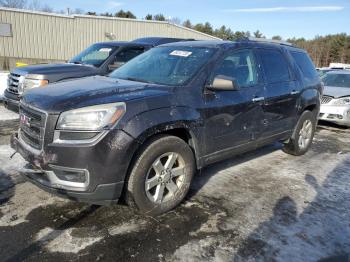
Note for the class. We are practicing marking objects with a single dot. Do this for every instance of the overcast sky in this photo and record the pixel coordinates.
(286, 18)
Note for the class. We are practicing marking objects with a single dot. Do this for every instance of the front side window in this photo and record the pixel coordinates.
(94, 55)
(239, 66)
(168, 65)
(338, 80)
(275, 66)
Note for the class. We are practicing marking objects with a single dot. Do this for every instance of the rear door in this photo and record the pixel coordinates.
(281, 92)
(232, 118)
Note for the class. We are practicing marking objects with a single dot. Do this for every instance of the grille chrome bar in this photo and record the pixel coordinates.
(326, 99)
(32, 126)
(13, 82)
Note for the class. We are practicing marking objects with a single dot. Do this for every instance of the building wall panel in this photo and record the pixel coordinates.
(37, 35)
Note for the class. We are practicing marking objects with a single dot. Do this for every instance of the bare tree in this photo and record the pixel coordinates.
(34, 5)
(47, 9)
(21, 4)
(175, 20)
(78, 11)
(187, 23)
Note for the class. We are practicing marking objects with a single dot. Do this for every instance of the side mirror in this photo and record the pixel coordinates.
(223, 83)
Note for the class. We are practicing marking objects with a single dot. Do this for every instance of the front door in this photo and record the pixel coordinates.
(233, 118)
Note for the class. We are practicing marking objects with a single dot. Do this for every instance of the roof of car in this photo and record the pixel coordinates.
(145, 41)
(338, 72)
(118, 43)
(201, 43)
(228, 44)
(158, 40)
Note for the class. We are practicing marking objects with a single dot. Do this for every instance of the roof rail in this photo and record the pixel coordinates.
(270, 41)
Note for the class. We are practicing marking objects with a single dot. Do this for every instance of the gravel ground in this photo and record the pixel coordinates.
(260, 206)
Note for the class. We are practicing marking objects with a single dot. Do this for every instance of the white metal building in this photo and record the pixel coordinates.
(32, 37)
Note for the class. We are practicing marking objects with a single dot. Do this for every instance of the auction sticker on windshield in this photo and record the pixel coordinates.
(105, 50)
(181, 53)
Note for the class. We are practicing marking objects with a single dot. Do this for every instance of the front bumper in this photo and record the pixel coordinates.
(336, 114)
(104, 164)
(11, 101)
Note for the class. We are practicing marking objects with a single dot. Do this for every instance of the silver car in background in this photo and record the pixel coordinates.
(335, 102)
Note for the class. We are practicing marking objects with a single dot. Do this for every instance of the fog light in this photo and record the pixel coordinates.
(78, 176)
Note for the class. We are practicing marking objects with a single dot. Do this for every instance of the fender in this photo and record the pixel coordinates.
(309, 97)
(156, 121)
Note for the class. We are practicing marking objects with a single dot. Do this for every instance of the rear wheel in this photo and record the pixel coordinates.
(303, 134)
(161, 176)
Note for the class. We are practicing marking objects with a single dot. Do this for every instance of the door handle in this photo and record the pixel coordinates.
(294, 92)
(258, 99)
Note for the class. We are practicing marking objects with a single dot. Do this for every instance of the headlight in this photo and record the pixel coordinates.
(31, 83)
(342, 101)
(91, 118)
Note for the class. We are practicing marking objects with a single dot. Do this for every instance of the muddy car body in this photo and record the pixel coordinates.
(220, 99)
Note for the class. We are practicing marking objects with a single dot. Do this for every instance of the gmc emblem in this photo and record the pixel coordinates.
(24, 120)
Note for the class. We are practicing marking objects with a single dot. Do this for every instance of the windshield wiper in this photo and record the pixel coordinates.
(138, 80)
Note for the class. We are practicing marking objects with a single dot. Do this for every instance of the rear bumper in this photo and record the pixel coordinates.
(335, 114)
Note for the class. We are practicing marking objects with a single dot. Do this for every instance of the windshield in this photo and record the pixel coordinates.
(94, 55)
(340, 80)
(165, 65)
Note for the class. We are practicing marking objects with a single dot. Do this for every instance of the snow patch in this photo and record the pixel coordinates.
(27, 197)
(125, 228)
(3, 83)
(6, 114)
(7, 164)
(64, 241)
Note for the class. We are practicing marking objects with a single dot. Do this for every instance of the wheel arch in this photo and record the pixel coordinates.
(310, 101)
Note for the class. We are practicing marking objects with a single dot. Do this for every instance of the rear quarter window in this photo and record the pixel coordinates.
(306, 66)
(275, 66)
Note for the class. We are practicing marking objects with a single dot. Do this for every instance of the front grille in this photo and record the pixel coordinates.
(13, 83)
(326, 99)
(32, 126)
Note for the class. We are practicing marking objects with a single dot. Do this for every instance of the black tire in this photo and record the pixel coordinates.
(293, 146)
(137, 196)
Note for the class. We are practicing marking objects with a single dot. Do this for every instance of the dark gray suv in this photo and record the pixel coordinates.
(142, 132)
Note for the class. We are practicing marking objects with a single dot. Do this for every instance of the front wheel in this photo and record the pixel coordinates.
(302, 136)
(161, 176)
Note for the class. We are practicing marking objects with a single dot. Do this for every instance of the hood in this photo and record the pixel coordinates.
(54, 70)
(88, 91)
(336, 91)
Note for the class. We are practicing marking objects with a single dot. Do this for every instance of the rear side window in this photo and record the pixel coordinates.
(306, 66)
(275, 66)
(128, 54)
